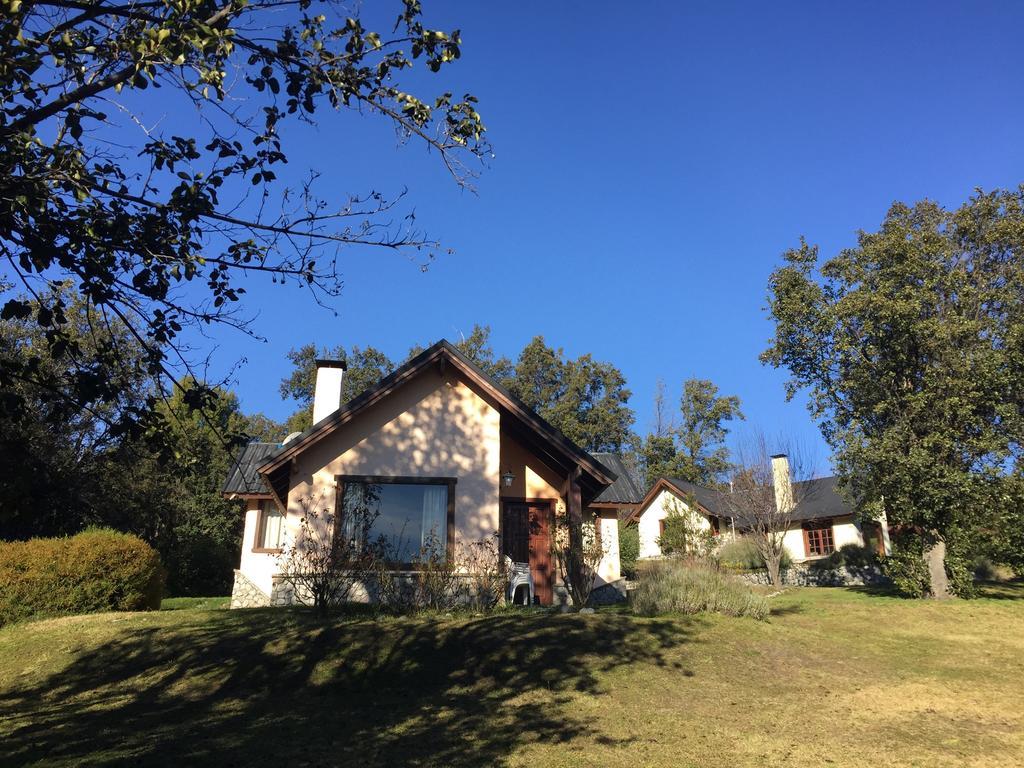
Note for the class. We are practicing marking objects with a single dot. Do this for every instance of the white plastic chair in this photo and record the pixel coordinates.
(519, 576)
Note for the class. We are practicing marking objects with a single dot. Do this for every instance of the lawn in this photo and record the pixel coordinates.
(835, 677)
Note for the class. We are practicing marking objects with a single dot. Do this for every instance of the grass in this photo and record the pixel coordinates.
(834, 677)
(193, 603)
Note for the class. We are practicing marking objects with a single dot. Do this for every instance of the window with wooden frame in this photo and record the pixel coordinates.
(269, 528)
(818, 539)
(661, 527)
(413, 516)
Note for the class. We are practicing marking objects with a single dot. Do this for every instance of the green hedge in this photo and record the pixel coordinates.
(97, 570)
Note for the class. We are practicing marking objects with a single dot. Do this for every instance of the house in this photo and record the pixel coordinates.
(821, 522)
(445, 451)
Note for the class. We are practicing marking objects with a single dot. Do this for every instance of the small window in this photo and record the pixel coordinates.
(818, 539)
(270, 530)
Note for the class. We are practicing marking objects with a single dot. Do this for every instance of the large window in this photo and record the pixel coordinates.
(411, 517)
(818, 538)
(269, 528)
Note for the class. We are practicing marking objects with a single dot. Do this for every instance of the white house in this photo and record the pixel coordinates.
(445, 452)
(821, 522)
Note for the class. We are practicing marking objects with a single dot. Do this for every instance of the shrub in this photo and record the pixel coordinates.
(97, 570)
(677, 586)
(740, 554)
(629, 549)
(906, 568)
(858, 555)
(685, 532)
(484, 568)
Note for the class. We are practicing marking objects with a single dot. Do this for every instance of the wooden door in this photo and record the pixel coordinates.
(526, 538)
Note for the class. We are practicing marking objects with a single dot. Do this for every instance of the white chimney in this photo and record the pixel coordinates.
(327, 396)
(781, 481)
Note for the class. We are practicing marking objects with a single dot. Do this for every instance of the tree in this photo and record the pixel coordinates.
(202, 531)
(761, 502)
(477, 348)
(584, 398)
(366, 367)
(55, 431)
(159, 229)
(68, 468)
(694, 450)
(911, 345)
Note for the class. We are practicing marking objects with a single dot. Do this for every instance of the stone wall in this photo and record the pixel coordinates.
(806, 575)
(609, 594)
(245, 594)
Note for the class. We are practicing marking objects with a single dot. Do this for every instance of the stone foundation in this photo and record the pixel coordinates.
(245, 594)
(609, 594)
(806, 575)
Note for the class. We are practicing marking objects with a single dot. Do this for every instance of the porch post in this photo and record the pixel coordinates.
(574, 518)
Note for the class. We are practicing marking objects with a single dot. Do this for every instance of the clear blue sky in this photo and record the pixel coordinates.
(653, 160)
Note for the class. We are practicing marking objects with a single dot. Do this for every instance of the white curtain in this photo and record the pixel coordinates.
(435, 516)
(272, 519)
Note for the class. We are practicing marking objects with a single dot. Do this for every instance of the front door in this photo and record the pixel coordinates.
(526, 538)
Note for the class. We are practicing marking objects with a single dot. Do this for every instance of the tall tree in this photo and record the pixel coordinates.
(477, 347)
(585, 398)
(54, 430)
(366, 366)
(166, 488)
(702, 430)
(67, 467)
(159, 228)
(911, 345)
(694, 450)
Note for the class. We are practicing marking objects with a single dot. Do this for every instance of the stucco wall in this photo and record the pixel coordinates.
(844, 531)
(608, 571)
(434, 426)
(653, 514)
(532, 478)
(258, 567)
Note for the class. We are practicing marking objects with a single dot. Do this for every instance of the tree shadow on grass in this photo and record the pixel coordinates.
(1002, 590)
(875, 590)
(278, 687)
(785, 610)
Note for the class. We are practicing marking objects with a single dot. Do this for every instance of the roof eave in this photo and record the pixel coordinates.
(443, 350)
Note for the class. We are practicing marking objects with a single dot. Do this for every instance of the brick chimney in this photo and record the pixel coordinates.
(327, 395)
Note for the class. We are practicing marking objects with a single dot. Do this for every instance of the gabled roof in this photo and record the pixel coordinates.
(626, 490)
(819, 498)
(243, 479)
(708, 499)
(595, 476)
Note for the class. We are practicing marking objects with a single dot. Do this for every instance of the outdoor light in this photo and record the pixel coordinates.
(507, 477)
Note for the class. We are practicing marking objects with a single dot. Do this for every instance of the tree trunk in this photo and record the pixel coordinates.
(935, 558)
(774, 575)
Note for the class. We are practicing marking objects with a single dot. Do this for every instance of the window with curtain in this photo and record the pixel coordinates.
(270, 534)
(411, 517)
